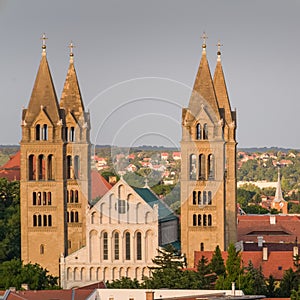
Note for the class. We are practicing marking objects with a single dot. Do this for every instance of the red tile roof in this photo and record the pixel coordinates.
(50, 295)
(99, 186)
(11, 169)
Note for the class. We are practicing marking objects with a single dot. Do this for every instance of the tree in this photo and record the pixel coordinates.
(217, 262)
(124, 283)
(204, 274)
(234, 270)
(14, 273)
(272, 290)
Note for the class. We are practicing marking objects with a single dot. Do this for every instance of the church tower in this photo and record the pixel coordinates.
(208, 167)
(55, 172)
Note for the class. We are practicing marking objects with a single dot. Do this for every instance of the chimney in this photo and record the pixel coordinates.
(232, 288)
(295, 251)
(149, 295)
(273, 220)
(260, 240)
(265, 253)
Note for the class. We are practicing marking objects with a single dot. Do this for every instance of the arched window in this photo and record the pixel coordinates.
(205, 132)
(49, 198)
(76, 217)
(76, 196)
(31, 167)
(194, 220)
(199, 198)
(44, 198)
(194, 197)
(116, 246)
(198, 132)
(76, 166)
(69, 167)
(41, 167)
(121, 192)
(37, 132)
(127, 246)
(209, 220)
(72, 217)
(68, 217)
(201, 167)
(199, 220)
(44, 220)
(204, 198)
(209, 198)
(39, 198)
(105, 246)
(210, 166)
(50, 167)
(72, 134)
(71, 196)
(68, 200)
(139, 246)
(201, 246)
(93, 216)
(66, 134)
(34, 220)
(45, 132)
(42, 249)
(34, 198)
(49, 220)
(204, 220)
(193, 167)
(39, 220)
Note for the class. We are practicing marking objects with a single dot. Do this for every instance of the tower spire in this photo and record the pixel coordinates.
(278, 194)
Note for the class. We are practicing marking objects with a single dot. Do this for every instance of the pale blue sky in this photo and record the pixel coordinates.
(137, 60)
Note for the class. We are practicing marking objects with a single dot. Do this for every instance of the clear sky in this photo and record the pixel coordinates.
(137, 60)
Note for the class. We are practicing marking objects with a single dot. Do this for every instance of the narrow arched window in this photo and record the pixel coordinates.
(201, 167)
(41, 167)
(209, 220)
(42, 249)
(72, 217)
(117, 246)
(193, 167)
(50, 167)
(34, 198)
(105, 246)
(39, 198)
(34, 220)
(76, 217)
(198, 132)
(44, 220)
(204, 220)
(49, 198)
(139, 246)
(204, 198)
(199, 198)
(68, 200)
(210, 166)
(72, 134)
(38, 132)
(71, 196)
(76, 166)
(31, 167)
(201, 246)
(127, 246)
(194, 220)
(49, 220)
(44, 198)
(194, 197)
(68, 217)
(76, 196)
(45, 132)
(39, 220)
(66, 134)
(199, 220)
(209, 200)
(69, 167)
(205, 132)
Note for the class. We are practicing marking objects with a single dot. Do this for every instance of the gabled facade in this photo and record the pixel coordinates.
(208, 167)
(124, 230)
(55, 170)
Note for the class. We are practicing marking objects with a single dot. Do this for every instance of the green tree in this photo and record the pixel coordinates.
(204, 274)
(14, 273)
(124, 283)
(272, 290)
(217, 262)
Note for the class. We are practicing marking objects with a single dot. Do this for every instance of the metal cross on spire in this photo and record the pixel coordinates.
(71, 47)
(219, 45)
(44, 38)
(204, 37)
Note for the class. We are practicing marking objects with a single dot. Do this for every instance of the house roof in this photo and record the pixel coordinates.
(49, 295)
(99, 185)
(164, 212)
(273, 228)
(11, 169)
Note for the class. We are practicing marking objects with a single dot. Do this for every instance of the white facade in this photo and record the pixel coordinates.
(122, 238)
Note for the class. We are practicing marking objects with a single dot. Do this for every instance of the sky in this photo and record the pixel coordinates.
(137, 60)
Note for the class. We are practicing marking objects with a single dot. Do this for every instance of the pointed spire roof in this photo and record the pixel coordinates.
(71, 99)
(203, 85)
(43, 95)
(221, 89)
(278, 194)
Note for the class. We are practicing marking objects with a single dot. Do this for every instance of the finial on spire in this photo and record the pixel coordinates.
(71, 46)
(44, 38)
(219, 45)
(204, 38)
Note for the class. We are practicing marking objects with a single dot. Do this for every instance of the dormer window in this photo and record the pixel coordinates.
(205, 132)
(198, 132)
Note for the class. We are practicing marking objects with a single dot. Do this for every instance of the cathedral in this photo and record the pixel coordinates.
(84, 241)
